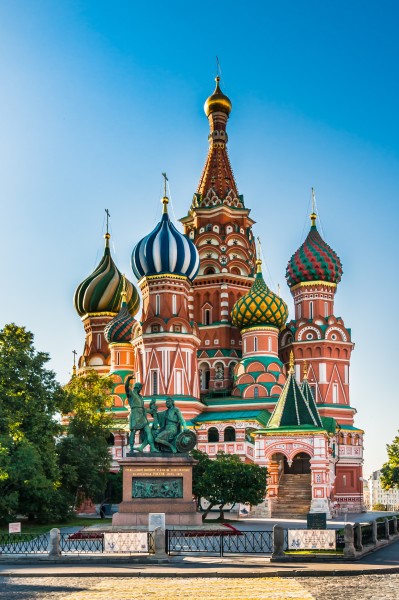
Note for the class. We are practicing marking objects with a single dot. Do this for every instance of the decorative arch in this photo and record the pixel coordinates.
(307, 330)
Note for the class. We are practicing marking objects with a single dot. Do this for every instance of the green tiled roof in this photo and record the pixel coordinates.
(307, 392)
(262, 416)
(329, 424)
(292, 409)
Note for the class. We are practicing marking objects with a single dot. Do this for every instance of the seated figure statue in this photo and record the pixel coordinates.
(169, 423)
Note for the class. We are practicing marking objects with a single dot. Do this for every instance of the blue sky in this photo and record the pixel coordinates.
(98, 98)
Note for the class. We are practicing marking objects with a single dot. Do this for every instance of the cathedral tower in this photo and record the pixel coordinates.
(166, 340)
(219, 225)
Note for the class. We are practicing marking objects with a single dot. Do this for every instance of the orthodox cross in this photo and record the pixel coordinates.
(74, 357)
(108, 216)
(165, 179)
(313, 201)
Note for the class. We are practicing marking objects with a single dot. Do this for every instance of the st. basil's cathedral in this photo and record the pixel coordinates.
(212, 335)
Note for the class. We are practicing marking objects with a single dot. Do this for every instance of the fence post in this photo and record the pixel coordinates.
(395, 525)
(358, 537)
(221, 545)
(278, 542)
(386, 521)
(349, 548)
(54, 546)
(374, 537)
(159, 543)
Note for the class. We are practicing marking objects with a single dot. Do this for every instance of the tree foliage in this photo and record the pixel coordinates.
(83, 452)
(390, 470)
(30, 398)
(226, 480)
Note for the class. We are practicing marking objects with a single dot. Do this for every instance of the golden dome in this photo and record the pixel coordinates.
(217, 102)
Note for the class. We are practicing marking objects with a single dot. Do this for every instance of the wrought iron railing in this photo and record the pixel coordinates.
(219, 542)
(23, 543)
(82, 543)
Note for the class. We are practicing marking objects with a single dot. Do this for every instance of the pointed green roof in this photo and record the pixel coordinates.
(292, 408)
(308, 395)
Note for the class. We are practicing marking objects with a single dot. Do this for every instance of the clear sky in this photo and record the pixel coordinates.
(99, 97)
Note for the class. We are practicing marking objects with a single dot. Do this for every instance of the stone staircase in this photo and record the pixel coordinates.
(294, 497)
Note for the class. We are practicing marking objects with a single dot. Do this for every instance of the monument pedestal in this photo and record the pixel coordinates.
(154, 483)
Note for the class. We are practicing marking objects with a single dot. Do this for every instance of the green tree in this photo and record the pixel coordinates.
(226, 480)
(83, 452)
(30, 399)
(390, 470)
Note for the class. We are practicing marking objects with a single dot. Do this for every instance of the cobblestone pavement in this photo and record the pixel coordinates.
(375, 587)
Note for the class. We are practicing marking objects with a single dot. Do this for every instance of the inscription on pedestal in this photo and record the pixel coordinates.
(157, 487)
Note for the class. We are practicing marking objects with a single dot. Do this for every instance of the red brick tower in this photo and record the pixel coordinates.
(321, 342)
(219, 225)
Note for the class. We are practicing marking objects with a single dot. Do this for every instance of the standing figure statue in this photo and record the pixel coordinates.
(138, 417)
(170, 424)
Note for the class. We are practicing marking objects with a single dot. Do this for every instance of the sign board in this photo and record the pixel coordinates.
(156, 520)
(14, 528)
(317, 521)
(130, 542)
(311, 539)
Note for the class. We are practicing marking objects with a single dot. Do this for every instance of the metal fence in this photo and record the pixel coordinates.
(81, 543)
(219, 543)
(23, 543)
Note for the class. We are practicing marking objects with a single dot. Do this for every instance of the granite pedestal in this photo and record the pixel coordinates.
(154, 483)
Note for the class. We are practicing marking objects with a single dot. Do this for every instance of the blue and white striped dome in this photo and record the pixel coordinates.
(165, 250)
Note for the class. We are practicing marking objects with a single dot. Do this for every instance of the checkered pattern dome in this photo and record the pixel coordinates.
(259, 307)
(314, 261)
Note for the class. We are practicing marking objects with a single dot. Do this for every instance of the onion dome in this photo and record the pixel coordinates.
(101, 291)
(217, 101)
(314, 260)
(165, 250)
(120, 328)
(260, 306)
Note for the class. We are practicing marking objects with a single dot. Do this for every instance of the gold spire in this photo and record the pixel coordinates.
(217, 102)
(107, 234)
(124, 291)
(305, 370)
(313, 216)
(258, 259)
(165, 199)
(292, 363)
(74, 363)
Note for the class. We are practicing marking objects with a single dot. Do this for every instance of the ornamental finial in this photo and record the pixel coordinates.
(305, 370)
(124, 291)
(313, 216)
(292, 362)
(165, 199)
(107, 234)
(74, 363)
(259, 260)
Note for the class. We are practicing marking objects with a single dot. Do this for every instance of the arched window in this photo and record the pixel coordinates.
(255, 344)
(213, 434)
(349, 441)
(229, 434)
(310, 310)
(110, 440)
(207, 316)
(256, 392)
(209, 271)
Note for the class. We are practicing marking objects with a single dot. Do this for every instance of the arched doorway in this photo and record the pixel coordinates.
(300, 464)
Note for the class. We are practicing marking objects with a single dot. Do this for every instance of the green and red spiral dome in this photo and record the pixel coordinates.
(313, 261)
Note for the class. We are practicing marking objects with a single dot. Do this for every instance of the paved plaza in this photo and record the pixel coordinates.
(364, 587)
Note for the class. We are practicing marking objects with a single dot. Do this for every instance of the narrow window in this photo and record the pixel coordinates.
(155, 383)
(174, 304)
(335, 393)
(310, 310)
(157, 304)
(326, 309)
(118, 358)
(98, 341)
(269, 344)
(178, 383)
(207, 315)
(299, 310)
(255, 344)
(256, 392)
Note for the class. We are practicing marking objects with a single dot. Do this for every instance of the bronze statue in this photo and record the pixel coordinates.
(138, 417)
(171, 425)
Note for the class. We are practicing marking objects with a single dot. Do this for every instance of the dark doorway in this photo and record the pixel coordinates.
(300, 464)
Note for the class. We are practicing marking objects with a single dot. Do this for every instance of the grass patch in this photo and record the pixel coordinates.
(33, 527)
